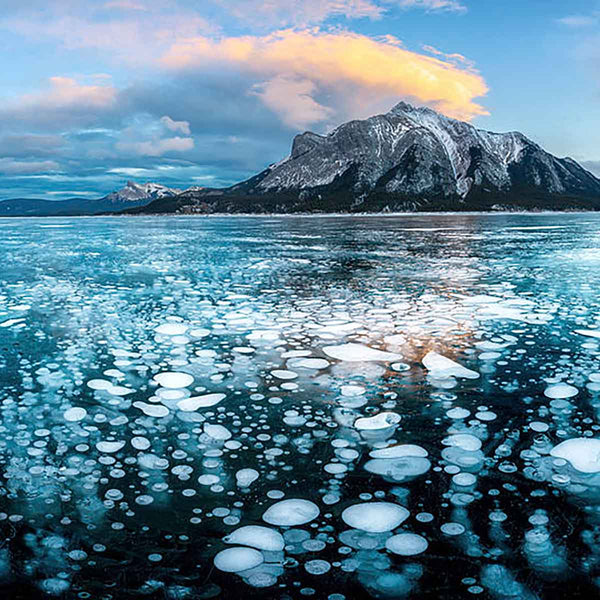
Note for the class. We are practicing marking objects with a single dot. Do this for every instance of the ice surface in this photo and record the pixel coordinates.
(165, 382)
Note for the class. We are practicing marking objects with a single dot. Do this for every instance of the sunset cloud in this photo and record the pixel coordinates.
(358, 74)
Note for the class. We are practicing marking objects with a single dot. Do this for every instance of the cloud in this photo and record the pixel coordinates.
(8, 166)
(27, 144)
(124, 5)
(281, 13)
(434, 5)
(291, 99)
(358, 75)
(135, 37)
(62, 104)
(157, 147)
(171, 125)
(66, 92)
(577, 21)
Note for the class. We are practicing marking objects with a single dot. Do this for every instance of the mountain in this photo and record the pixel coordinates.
(407, 159)
(139, 193)
(132, 195)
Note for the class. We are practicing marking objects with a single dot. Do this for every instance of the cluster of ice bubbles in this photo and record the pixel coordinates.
(309, 442)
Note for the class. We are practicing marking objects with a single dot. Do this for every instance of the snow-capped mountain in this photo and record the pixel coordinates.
(133, 195)
(407, 159)
(135, 192)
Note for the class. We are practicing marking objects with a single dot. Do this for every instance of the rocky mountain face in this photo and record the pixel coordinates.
(407, 159)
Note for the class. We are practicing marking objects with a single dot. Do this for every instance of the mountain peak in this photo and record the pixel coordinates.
(417, 155)
(403, 107)
(138, 193)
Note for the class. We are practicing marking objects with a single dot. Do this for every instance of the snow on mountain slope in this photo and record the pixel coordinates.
(134, 192)
(415, 151)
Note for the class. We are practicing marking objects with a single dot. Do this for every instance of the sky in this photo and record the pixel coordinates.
(207, 93)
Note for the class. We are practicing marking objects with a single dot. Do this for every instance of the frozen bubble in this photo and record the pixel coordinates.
(560, 390)
(171, 329)
(465, 441)
(357, 353)
(400, 367)
(99, 384)
(593, 333)
(441, 367)
(335, 468)
(308, 363)
(245, 477)
(406, 544)
(452, 528)
(398, 469)
(75, 414)
(208, 479)
(464, 479)
(109, 447)
(140, 443)
(458, 413)
(217, 432)
(399, 451)
(382, 421)
(539, 427)
(352, 390)
(196, 402)
(395, 340)
(264, 335)
(199, 333)
(256, 536)
(291, 512)
(489, 355)
(152, 410)
(174, 380)
(582, 453)
(283, 374)
(119, 390)
(235, 560)
(317, 567)
(486, 415)
(375, 517)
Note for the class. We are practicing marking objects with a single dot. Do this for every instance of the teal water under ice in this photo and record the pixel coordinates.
(296, 407)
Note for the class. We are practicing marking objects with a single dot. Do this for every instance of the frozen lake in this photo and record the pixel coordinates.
(300, 407)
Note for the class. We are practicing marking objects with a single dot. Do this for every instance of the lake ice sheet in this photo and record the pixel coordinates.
(327, 407)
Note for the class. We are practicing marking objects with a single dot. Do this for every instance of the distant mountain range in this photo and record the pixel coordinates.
(131, 196)
(409, 159)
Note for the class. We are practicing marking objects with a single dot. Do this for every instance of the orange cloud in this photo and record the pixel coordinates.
(358, 74)
(65, 92)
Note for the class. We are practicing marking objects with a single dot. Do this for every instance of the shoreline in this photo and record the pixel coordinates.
(311, 215)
